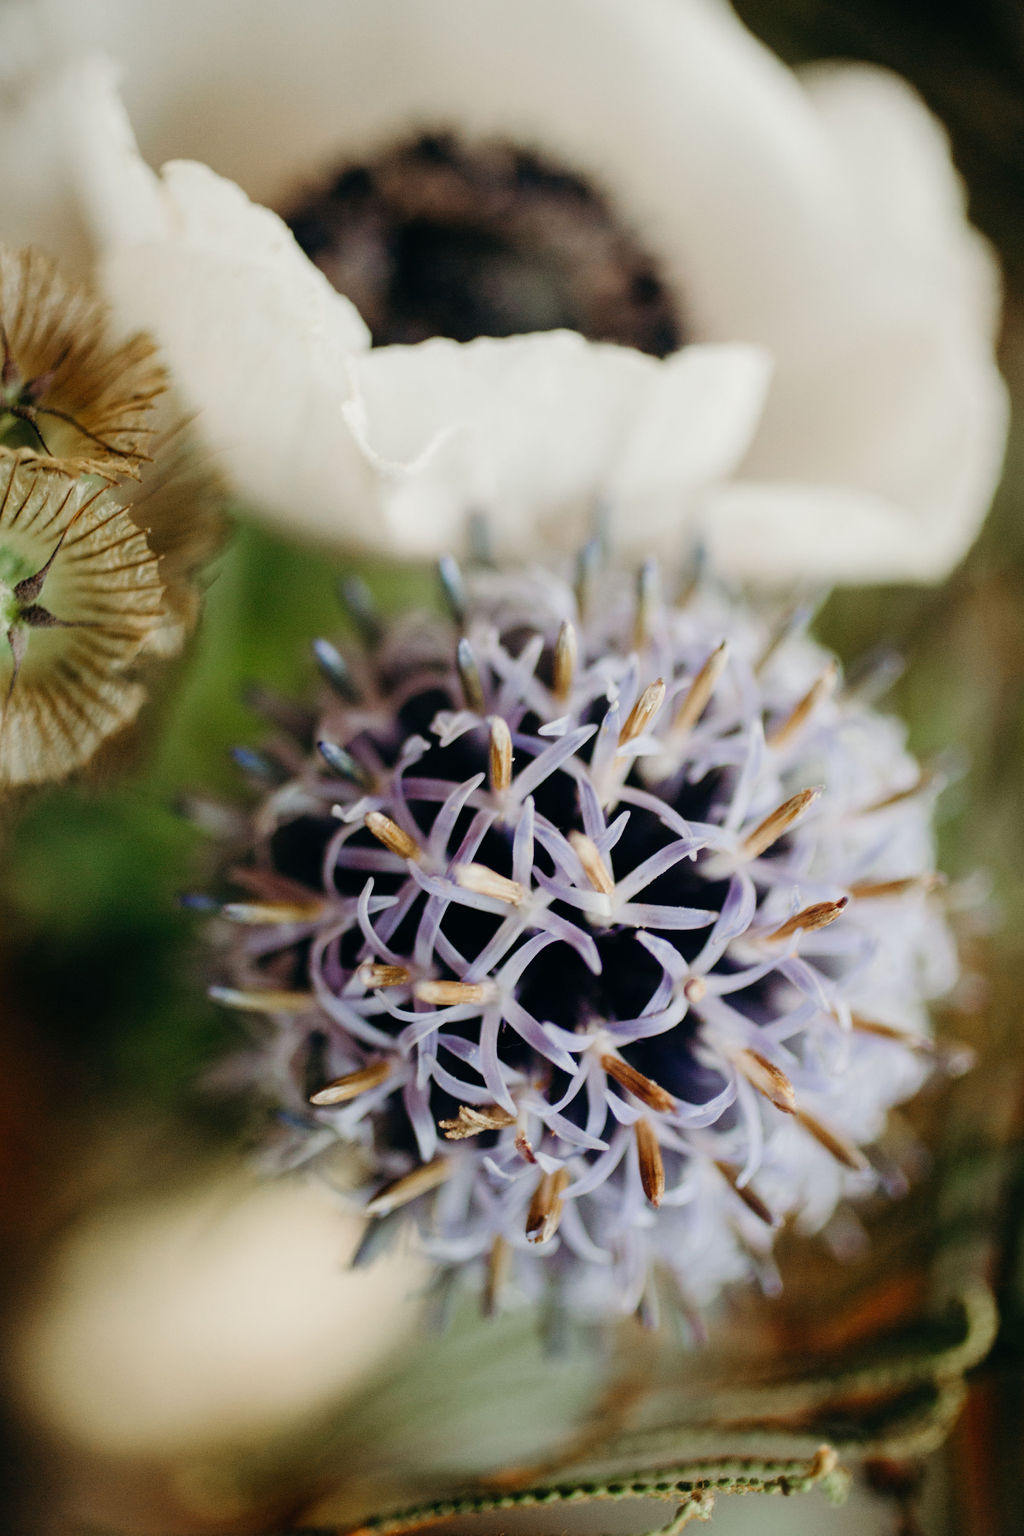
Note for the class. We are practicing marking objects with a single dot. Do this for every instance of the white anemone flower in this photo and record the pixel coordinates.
(815, 218)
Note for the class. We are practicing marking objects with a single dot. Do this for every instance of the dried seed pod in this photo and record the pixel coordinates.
(86, 617)
(70, 398)
(96, 582)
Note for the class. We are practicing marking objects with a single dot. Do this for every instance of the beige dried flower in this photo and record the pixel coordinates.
(88, 611)
(178, 504)
(97, 580)
(68, 395)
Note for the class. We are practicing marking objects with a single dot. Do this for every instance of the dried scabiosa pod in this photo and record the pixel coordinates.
(107, 513)
(179, 504)
(97, 589)
(603, 926)
(82, 607)
(69, 396)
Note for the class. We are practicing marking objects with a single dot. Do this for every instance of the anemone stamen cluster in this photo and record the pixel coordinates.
(603, 926)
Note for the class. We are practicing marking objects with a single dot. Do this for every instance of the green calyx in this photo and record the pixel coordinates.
(10, 607)
(20, 609)
(14, 567)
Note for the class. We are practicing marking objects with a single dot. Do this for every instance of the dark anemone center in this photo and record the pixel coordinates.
(437, 238)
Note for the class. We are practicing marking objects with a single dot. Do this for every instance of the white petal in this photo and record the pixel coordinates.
(257, 339)
(896, 395)
(539, 431)
(37, 199)
(776, 534)
(930, 461)
(696, 99)
(896, 160)
(222, 1311)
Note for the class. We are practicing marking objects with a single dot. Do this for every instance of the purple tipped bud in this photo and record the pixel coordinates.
(256, 765)
(335, 669)
(198, 901)
(343, 763)
(453, 587)
(357, 601)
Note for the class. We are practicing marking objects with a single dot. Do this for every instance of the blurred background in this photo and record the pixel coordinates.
(103, 975)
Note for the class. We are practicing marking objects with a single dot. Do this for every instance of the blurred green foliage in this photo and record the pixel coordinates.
(102, 960)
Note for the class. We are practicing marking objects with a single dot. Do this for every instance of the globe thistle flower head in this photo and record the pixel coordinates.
(69, 396)
(602, 926)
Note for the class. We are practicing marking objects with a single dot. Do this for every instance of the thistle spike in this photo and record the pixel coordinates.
(767, 1078)
(342, 1089)
(372, 975)
(500, 754)
(469, 676)
(643, 713)
(873, 890)
(480, 539)
(357, 602)
(642, 1088)
(497, 1273)
(394, 838)
(823, 687)
(265, 1000)
(341, 762)
(648, 601)
(750, 1198)
(486, 882)
(698, 695)
(409, 1187)
(842, 1150)
(819, 915)
(336, 670)
(258, 766)
(566, 652)
(778, 823)
(594, 866)
(453, 587)
(924, 781)
(546, 1207)
(588, 564)
(259, 914)
(652, 1166)
(453, 994)
(909, 1038)
(792, 621)
(199, 901)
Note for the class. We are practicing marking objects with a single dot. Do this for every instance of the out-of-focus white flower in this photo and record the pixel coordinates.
(817, 218)
(204, 1358)
(214, 1314)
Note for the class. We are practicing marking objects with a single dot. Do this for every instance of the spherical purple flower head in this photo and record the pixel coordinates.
(603, 926)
